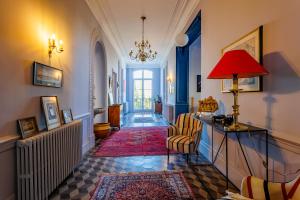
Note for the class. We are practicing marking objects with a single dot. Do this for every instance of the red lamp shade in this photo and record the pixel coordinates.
(237, 62)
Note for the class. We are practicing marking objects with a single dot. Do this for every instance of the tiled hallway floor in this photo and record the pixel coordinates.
(205, 181)
(143, 120)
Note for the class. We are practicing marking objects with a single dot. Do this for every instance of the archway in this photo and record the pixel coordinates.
(99, 83)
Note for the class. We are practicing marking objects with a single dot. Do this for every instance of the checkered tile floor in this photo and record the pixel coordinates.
(205, 181)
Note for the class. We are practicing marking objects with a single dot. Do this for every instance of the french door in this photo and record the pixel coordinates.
(142, 94)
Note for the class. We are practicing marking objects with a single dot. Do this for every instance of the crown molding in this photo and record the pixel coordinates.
(183, 15)
(104, 17)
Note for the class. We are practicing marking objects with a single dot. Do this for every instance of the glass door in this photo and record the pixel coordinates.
(142, 94)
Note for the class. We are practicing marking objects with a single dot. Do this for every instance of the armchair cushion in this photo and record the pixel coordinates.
(172, 130)
(181, 143)
(256, 188)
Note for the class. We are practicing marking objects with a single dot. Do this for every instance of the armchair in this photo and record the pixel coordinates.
(185, 135)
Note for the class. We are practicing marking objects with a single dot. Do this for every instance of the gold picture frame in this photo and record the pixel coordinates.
(252, 43)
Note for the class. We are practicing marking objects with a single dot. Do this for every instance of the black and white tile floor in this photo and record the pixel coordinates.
(205, 181)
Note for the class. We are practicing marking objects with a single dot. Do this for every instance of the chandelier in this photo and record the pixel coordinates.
(144, 51)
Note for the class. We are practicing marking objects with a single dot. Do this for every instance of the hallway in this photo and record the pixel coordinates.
(144, 119)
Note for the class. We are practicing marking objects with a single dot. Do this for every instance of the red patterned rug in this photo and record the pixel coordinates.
(138, 141)
(169, 185)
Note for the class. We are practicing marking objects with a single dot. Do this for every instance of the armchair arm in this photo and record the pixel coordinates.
(172, 130)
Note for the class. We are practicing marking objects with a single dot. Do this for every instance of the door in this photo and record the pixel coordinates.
(142, 94)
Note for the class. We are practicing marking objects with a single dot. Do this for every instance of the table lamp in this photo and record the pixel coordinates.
(233, 65)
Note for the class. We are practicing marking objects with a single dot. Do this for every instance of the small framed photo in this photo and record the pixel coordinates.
(44, 75)
(51, 111)
(67, 116)
(28, 127)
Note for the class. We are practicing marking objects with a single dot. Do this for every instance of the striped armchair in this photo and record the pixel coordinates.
(185, 135)
(258, 189)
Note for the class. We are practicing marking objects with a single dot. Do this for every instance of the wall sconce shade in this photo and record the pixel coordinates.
(54, 45)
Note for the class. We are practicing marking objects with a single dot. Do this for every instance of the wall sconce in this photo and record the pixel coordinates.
(52, 45)
(170, 86)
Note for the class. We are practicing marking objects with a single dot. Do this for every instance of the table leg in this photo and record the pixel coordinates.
(267, 156)
(226, 141)
(212, 143)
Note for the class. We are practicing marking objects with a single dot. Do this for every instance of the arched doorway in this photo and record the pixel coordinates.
(99, 83)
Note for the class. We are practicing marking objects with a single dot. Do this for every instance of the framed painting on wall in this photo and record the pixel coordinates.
(28, 127)
(44, 75)
(51, 111)
(67, 116)
(252, 43)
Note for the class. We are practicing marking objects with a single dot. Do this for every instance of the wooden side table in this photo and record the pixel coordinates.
(158, 108)
(114, 115)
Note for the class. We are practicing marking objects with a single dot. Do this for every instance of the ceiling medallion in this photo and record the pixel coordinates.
(144, 51)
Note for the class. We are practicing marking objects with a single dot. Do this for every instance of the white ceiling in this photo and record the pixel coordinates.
(120, 20)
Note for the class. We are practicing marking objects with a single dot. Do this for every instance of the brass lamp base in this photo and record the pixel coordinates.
(236, 127)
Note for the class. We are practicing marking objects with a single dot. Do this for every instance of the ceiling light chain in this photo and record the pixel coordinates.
(144, 51)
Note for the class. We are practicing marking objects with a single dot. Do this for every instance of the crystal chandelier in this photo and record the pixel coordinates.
(144, 51)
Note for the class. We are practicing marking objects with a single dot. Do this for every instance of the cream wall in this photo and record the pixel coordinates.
(25, 27)
(276, 107)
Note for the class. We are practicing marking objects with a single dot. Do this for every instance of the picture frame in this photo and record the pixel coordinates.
(51, 111)
(44, 75)
(67, 116)
(27, 127)
(252, 43)
(198, 83)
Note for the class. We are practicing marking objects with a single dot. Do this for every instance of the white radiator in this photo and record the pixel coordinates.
(45, 160)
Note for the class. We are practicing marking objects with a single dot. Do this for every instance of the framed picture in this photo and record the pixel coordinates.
(198, 83)
(67, 116)
(50, 108)
(28, 127)
(252, 43)
(44, 75)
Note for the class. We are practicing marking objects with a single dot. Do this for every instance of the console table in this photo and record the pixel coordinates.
(237, 133)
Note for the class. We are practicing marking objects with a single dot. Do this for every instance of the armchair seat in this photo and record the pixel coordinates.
(181, 143)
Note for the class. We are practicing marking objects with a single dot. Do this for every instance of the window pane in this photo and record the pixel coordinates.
(138, 74)
(148, 84)
(148, 93)
(137, 84)
(147, 74)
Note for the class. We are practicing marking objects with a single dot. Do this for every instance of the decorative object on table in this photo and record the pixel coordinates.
(158, 104)
(252, 43)
(114, 115)
(233, 65)
(110, 99)
(223, 120)
(136, 141)
(198, 83)
(207, 105)
(44, 75)
(102, 130)
(143, 185)
(28, 127)
(144, 52)
(51, 111)
(67, 116)
(109, 82)
(54, 44)
(256, 188)
(184, 137)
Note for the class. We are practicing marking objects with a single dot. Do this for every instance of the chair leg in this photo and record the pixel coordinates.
(187, 158)
(168, 155)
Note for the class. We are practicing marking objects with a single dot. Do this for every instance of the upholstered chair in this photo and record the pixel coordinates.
(185, 135)
(258, 189)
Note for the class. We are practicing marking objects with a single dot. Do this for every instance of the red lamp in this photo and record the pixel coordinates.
(233, 65)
